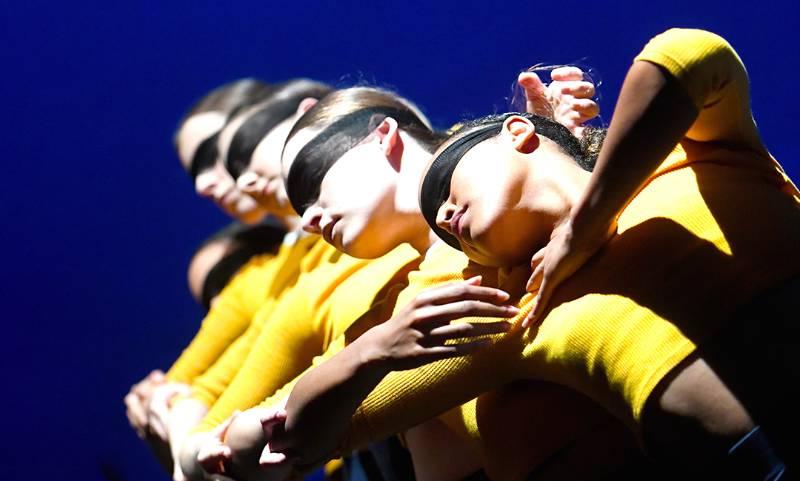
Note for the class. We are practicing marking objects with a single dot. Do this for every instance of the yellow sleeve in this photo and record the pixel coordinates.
(714, 76)
(404, 399)
(209, 386)
(227, 319)
(289, 340)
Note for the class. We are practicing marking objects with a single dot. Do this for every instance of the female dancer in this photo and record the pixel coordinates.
(341, 138)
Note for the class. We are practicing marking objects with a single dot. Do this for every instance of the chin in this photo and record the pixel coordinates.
(496, 258)
(365, 250)
(250, 217)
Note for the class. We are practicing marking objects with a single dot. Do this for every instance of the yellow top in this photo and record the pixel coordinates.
(227, 319)
(318, 309)
(298, 255)
(716, 225)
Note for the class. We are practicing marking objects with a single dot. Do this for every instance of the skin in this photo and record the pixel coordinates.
(372, 219)
(202, 262)
(262, 179)
(215, 183)
(414, 337)
(695, 417)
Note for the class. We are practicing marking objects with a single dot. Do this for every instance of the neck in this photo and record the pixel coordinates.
(414, 159)
(290, 222)
(553, 188)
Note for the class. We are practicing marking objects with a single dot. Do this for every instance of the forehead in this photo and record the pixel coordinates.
(230, 129)
(296, 144)
(194, 131)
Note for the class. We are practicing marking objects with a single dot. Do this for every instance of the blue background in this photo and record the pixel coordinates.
(99, 220)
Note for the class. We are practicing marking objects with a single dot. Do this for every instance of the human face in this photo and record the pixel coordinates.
(194, 131)
(487, 210)
(217, 185)
(263, 180)
(355, 211)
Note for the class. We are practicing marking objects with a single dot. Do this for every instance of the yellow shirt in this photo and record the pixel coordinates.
(227, 319)
(296, 255)
(321, 307)
(718, 223)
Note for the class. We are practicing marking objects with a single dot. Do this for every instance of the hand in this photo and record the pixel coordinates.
(272, 419)
(136, 401)
(212, 453)
(158, 407)
(567, 99)
(558, 260)
(417, 335)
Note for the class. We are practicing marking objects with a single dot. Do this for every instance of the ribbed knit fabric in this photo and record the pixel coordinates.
(228, 318)
(296, 256)
(716, 224)
(318, 309)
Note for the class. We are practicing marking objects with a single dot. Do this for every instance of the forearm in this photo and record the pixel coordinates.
(221, 327)
(653, 114)
(185, 415)
(322, 402)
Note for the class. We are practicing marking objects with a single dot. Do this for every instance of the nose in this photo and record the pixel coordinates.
(248, 182)
(444, 215)
(205, 185)
(311, 220)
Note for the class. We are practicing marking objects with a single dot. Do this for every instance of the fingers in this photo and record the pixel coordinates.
(577, 111)
(469, 329)
(212, 456)
(272, 416)
(272, 419)
(437, 353)
(536, 270)
(270, 459)
(137, 414)
(568, 72)
(441, 314)
(536, 95)
(577, 89)
(540, 303)
(460, 291)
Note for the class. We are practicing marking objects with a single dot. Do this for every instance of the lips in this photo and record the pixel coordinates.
(456, 226)
(327, 231)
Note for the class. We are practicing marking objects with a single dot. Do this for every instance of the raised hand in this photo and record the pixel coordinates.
(567, 99)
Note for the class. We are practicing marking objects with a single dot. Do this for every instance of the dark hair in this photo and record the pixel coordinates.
(346, 118)
(279, 106)
(230, 96)
(435, 187)
(246, 242)
(225, 99)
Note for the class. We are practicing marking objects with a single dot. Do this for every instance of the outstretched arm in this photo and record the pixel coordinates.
(321, 404)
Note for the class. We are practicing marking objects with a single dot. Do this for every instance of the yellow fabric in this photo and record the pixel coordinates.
(718, 223)
(227, 319)
(321, 307)
(295, 256)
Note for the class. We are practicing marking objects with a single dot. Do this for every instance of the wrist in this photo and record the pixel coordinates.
(371, 358)
(593, 217)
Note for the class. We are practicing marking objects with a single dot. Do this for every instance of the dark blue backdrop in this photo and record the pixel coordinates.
(99, 220)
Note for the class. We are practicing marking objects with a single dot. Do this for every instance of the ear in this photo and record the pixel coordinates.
(521, 133)
(390, 141)
(306, 104)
